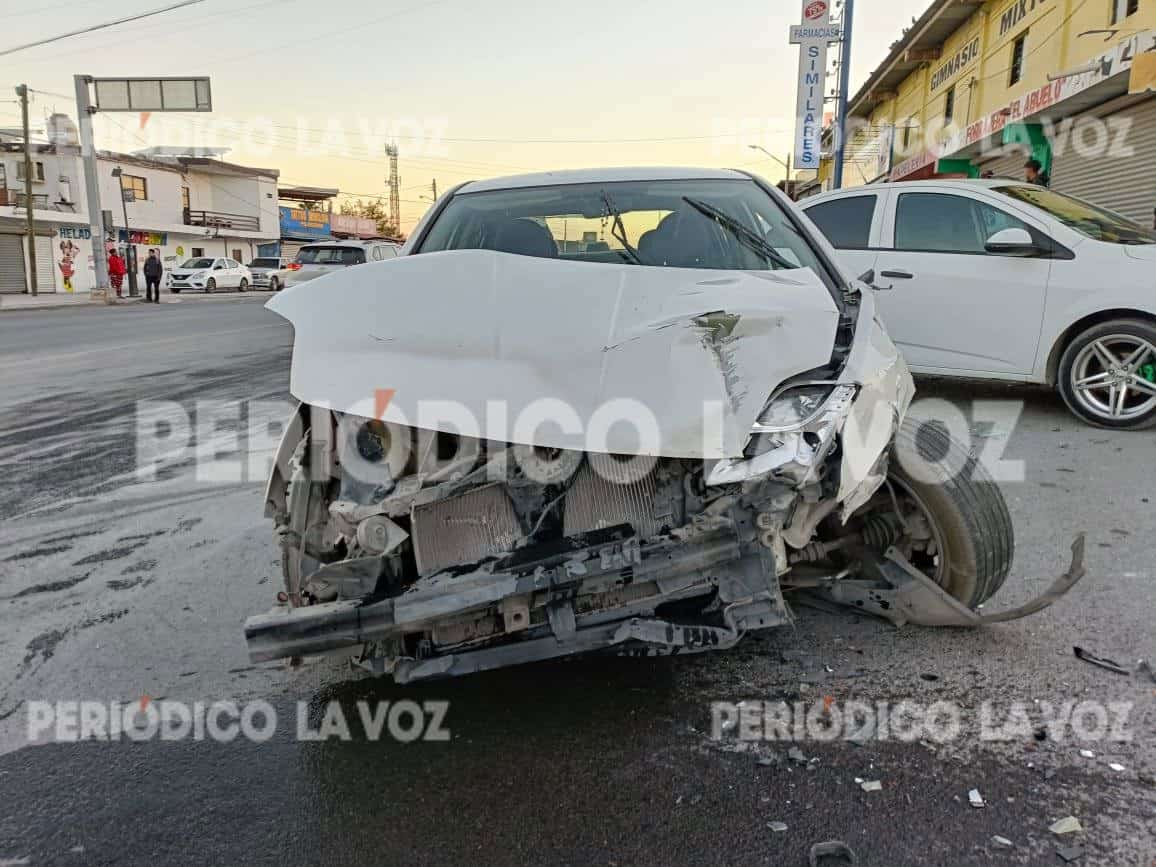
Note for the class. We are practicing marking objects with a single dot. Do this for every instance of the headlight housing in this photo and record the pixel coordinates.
(796, 407)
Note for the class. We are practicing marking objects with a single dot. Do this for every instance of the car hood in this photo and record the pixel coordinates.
(493, 334)
(1143, 252)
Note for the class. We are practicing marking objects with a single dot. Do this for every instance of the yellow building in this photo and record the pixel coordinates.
(979, 86)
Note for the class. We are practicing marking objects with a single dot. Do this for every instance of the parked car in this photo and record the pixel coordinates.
(269, 272)
(1005, 280)
(637, 446)
(314, 260)
(209, 275)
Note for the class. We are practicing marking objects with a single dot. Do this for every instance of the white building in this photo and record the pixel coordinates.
(184, 206)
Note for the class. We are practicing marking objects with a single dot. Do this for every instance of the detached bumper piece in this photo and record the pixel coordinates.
(602, 597)
(905, 595)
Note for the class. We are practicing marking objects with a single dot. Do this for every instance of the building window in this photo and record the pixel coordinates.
(137, 185)
(197, 252)
(185, 198)
(1017, 60)
(949, 106)
(1122, 9)
(37, 171)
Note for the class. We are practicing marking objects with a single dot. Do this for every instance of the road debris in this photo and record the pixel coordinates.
(1066, 825)
(1002, 842)
(1070, 853)
(1145, 667)
(871, 785)
(975, 798)
(1087, 754)
(777, 827)
(830, 850)
(1102, 662)
(1115, 766)
(796, 755)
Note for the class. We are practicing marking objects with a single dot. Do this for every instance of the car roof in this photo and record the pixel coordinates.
(952, 183)
(600, 175)
(345, 242)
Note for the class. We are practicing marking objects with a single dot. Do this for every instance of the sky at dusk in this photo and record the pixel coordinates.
(467, 90)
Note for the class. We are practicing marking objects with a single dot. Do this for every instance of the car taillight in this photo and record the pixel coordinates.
(294, 266)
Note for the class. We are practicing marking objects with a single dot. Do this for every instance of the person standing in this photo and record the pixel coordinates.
(1034, 173)
(153, 269)
(116, 272)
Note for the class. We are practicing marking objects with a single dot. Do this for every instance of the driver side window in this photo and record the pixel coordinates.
(944, 223)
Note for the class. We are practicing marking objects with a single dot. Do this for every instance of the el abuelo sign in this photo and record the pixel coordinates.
(812, 37)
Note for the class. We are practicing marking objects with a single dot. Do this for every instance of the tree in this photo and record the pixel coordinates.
(374, 210)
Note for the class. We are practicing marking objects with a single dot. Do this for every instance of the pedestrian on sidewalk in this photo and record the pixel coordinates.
(1034, 173)
(153, 269)
(116, 272)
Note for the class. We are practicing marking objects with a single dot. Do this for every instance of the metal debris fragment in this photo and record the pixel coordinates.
(1066, 825)
(1102, 662)
(832, 849)
(975, 798)
(777, 827)
(1087, 754)
(1115, 766)
(871, 785)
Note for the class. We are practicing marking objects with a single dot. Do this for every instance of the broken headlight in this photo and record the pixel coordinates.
(797, 407)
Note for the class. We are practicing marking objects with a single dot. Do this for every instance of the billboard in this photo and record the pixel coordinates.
(153, 94)
(812, 37)
(300, 223)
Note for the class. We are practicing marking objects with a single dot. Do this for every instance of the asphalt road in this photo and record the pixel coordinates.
(113, 587)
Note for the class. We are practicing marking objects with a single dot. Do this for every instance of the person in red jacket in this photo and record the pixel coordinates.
(116, 271)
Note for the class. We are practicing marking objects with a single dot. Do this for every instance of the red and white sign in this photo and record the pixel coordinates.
(815, 10)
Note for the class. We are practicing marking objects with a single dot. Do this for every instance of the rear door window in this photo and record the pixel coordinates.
(846, 222)
(331, 256)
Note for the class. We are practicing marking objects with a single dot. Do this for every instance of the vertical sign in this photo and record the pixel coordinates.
(812, 37)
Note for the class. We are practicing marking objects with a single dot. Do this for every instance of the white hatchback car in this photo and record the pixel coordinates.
(209, 275)
(1002, 279)
(324, 257)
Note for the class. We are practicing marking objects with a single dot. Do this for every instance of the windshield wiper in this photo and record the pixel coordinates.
(619, 231)
(744, 235)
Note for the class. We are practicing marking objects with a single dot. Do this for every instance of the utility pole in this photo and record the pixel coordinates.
(84, 112)
(22, 92)
(847, 23)
(434, 186)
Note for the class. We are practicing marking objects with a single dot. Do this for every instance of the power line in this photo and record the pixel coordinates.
(103, 26)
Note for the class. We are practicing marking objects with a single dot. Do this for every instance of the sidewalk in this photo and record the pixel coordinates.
(82, 299)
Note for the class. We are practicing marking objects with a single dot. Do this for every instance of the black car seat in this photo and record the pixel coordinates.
(680, 240)
(523, 237)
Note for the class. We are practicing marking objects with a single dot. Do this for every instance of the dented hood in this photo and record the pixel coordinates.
(497, 341)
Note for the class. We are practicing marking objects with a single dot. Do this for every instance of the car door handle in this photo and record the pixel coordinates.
(897, 275)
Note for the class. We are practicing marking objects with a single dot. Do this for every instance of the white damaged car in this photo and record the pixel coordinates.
(625, 410)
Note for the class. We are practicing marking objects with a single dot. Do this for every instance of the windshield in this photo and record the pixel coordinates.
(331, 256)
(716, 224)
(263, 263)
(198, 263)
(1085, 218)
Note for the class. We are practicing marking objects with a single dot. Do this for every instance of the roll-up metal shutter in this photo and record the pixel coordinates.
(12, 272)
(1009, 165)
(45, 265)
(289, 248)
(1124, 184)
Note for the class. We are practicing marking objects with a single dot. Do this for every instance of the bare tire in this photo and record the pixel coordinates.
(244, 287)
(973, 541)
(211, 286)
(1107, 374)
(274, 284)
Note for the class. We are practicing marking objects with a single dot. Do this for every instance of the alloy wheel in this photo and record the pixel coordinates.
(1114, 377)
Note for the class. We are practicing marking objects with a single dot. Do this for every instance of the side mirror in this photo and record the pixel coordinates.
(1012, 242)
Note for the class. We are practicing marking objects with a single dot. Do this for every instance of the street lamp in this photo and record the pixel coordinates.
(786, 165)
(133, 292)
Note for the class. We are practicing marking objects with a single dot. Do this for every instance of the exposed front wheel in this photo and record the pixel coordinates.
(274, 284)
(211, 286)
(244, 285)
(1107, 374)
(958, 531)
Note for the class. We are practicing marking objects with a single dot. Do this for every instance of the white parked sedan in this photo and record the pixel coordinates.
(209, 275)
(1001, 279)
